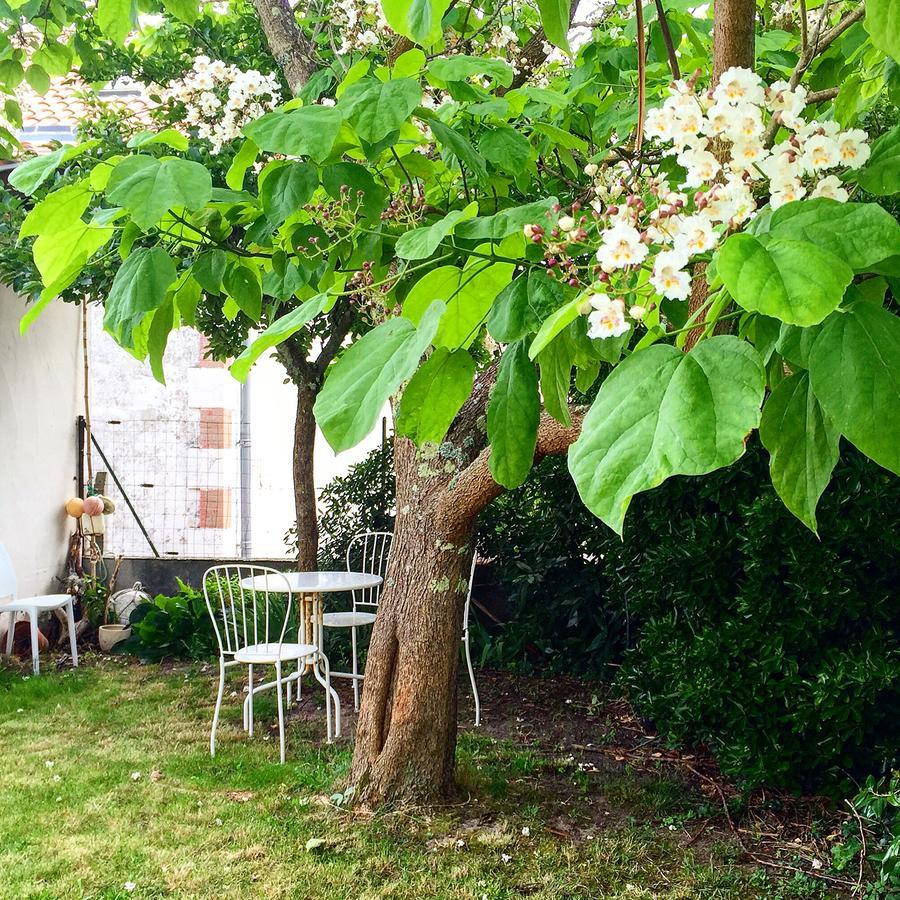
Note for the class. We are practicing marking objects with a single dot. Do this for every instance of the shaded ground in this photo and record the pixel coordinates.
(562, 795)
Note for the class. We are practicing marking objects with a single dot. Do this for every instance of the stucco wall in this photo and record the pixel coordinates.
(40, 387)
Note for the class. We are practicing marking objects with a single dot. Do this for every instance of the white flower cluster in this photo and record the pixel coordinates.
(718, 139)
(219, 99)
(361, 25)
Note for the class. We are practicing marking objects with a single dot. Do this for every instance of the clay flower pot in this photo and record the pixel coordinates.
(110, 635)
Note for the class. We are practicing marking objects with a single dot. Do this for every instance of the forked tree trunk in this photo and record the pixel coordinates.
(406, 734)
(304, 480)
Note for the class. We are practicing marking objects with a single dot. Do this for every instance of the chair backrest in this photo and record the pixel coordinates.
(368, 552)
(248, 605)
(465, 623)
(8, 587)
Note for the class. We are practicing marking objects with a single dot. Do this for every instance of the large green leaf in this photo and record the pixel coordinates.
(555, 16)
(375, 108)
(278, 332)
(61, 209)
(512, 316)
(147, 187)
(803, 445)
(435, 395)
(881, 175)
(366, 375)
(285, 187)
(28, 176)
(419, 20)
(883, 24)
(468, 294)
(794, 281)
(462, 67)
(60, 255)
(854, 369)
(308, 131)
(513, 415)
(505, 223)
(555, 362)
(662, 412)
(468, 157)
(242, 283)
(861, 234)
(139, 287)
(420, 243)
(116, 18)
(507, 149)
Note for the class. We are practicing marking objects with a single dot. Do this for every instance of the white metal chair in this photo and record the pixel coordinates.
(32, 607)
(250, 626)
(465, 641)
(367, 552)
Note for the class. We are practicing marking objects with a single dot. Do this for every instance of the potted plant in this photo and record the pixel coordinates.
(96, 598)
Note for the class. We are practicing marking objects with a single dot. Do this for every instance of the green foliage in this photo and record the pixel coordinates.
(663, 413)
(777, 649)
(878, 803)
(176, 627)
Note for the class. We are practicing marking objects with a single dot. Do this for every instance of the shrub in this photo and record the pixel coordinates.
(177, 626)
(878, 805)
(778, 649)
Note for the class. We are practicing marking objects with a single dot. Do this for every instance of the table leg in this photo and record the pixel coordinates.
(321, 668)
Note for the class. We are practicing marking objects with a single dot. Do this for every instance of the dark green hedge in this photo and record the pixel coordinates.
(779, 650)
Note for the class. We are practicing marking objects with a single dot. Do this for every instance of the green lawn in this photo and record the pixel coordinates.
(76, 822)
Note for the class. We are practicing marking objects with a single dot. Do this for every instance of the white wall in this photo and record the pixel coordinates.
(40, 389)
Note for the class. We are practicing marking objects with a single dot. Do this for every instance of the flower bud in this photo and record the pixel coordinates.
(566, 223)
(591, 169)
(637, 312)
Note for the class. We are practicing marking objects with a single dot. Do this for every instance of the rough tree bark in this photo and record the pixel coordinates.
(406, 735)
(292, 49)
(304, 480)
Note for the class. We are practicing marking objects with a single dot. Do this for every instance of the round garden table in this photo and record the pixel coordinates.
(310, 587)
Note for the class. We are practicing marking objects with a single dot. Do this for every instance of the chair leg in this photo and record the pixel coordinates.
(355, 670)
(215, 721)
(73, 644)
(472, 679)
(10, 631)
(250, 701)
(35, 646)
(280, 709)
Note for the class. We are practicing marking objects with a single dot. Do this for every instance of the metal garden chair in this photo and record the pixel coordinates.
(367, 552)
(250, 625)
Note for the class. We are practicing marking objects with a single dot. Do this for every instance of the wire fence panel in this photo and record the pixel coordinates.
(183, 478)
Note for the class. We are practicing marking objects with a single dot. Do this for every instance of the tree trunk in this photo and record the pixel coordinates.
(733, 35)
(406, 734)
(304, 480)
(292, 50)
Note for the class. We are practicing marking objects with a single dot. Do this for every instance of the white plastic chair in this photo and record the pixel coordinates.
(32, 607)
(367, 552)
(465, 640)
(250, 626)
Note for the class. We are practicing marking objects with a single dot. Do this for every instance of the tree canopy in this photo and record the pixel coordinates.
(701, 258)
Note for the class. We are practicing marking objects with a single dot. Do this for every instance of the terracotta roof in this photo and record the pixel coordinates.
(55, 115)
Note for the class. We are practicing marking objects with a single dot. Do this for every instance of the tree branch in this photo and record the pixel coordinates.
(292, 49)
(475, 487)
(340, 320)
(817, 45)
